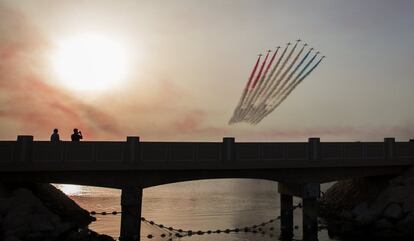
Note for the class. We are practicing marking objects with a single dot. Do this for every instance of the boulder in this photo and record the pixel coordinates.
(40, 212)
(381, 208)
(408, 204)
(406, 225)
(103, 237)
(27, 215)
(11, 238)
(363, 215)
(62, 205)
(393, 211)
(383, 224)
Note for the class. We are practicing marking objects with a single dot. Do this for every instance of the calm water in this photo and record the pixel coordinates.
(197, 205)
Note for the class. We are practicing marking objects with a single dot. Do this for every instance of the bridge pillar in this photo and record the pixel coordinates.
(310, 219)
(131, 203)
(309, 192)
(286, 217)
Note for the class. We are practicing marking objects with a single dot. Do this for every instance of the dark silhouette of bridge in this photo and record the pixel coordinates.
(299, 167)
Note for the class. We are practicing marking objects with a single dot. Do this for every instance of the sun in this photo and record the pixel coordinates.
(90, 62)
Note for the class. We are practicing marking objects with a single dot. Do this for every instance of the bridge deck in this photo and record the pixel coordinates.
(324, 160)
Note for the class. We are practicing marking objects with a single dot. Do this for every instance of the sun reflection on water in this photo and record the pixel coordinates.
(70, 190)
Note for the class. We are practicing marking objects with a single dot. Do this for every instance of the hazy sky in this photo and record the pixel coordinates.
(189, 61)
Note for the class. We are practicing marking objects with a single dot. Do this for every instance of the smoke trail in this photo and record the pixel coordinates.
(266, 83)
(269, 93)
(261, 70)
(300, 73)
(262, 98)
(266, 94)
(252, 89)
(260, 84)
(265, 108)
(280, 90)
(237, 109)
(291, 89)
(284, 82)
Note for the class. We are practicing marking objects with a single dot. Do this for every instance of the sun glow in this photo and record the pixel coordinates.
(70, 190)
(90, 63)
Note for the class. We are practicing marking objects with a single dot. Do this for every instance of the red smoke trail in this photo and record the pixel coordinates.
(253, 72)
(262, 104)
(252, 89)
(259, 88)
(261, 69)
(269, 84)
(237, 110)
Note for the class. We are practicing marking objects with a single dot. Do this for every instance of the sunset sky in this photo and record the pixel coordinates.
(183, 65)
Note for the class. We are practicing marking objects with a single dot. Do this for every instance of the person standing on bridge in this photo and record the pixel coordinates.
(55, 136)
(77, 135)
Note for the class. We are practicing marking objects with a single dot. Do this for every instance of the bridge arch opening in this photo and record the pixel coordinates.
(201, 204)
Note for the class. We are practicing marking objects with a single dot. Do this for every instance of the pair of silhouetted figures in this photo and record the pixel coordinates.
(76, 136)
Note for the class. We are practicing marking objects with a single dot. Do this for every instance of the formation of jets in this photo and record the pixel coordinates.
(273, 80)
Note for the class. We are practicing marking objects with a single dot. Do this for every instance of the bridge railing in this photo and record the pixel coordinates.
(8, 151)
(194, 154)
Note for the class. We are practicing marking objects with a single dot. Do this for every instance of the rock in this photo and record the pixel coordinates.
(26, 215)
(383, 224)
(363, 215)
(393, 211)
(4, 191)
(5, 204)
(409, 181)
(11, 238)
(61, 229)
(347, 215)
(40, 212)
(62, 205)
(380, 208)
(406, 225)
(81, 235)
(39, 236)
(408, 204)
(393, 194)
(103, 237)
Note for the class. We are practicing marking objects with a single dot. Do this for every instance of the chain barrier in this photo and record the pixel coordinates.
(172, 232)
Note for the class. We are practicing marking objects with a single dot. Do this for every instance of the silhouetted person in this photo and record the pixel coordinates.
(55, 135)
(77, 135)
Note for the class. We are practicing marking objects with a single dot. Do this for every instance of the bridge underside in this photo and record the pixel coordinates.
(148, 178)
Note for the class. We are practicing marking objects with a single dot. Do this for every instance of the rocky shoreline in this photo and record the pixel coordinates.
(380, 208)
(41, 212)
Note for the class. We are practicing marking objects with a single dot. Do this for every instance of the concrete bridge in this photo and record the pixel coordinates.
(299, 167)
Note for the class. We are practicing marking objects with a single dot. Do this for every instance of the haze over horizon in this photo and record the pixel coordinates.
(188, 61)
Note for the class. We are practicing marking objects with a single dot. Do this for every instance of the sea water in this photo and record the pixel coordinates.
(196, 205)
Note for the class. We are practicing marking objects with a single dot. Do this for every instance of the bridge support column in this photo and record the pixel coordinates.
(310, 219)
(131, 202)
(309, 192)
(286, 217)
